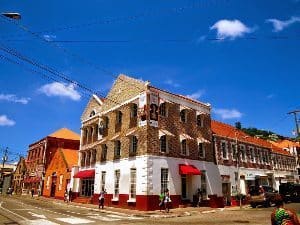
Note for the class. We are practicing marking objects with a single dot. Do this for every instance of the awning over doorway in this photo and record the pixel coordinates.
(189, 170)
(85, 174)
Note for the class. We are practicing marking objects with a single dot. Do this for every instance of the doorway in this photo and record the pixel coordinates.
(183, 187)
(53, 186)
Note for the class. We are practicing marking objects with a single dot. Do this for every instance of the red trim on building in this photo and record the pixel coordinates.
(189, 170)
(85, 174)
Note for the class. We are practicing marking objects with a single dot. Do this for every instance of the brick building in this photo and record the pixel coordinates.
(244, 160)
(142, 140)
(19, 175)
(58, 174)
(40, 155)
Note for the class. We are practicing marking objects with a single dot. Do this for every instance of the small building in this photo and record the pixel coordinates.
(58, 174)
(41, 153)
(19, 175)
(244, 160)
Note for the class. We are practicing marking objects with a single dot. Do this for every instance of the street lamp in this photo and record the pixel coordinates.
(12, 15)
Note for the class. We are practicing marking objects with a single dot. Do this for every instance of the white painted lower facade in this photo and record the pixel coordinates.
(148, 175)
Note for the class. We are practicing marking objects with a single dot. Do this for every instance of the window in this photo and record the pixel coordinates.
(88, 158)
(243, 153)
(103, 176)
(134, 109)
(203, 184)
(119, 117)
(117, 184)
(104, 152)
(224, 150)
(83, 156)
(183, 115)
(164, 179)
(234, 151)
(133, 144)
(163, 109)
(92, 113)
(201, 150)
(252, 154)
(183, 147)
(200, 121)
(132, 183)
(117, 148)
(163, 143)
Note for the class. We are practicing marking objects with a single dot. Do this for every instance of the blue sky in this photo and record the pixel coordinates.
(240, 56)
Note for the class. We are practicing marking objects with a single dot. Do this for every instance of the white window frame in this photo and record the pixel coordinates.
(224, 150)
(202, 155)
(132, 187)
(165, 110)
(167, 146)
(103, 180)
(133, 144)
(186, 153)
(164, 179)
(117, 176)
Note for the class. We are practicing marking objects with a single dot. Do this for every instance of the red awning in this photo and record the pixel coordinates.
(189, 170)
(85, 174)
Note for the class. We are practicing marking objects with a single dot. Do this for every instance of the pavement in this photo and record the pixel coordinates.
(176, 212)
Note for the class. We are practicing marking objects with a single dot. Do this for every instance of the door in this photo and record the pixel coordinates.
(183, 187)
(53, 186)
(226, 193)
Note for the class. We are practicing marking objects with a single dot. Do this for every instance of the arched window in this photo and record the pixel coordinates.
(93, 113)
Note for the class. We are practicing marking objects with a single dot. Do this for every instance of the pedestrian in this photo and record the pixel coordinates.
(101, 198)
(32, 192)
(199, 197)
(167, 200)
(70, 194)
(281, 215)
(161, 200)
(66, 197)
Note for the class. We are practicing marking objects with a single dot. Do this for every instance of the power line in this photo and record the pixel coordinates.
(198, 4)
(78, 57)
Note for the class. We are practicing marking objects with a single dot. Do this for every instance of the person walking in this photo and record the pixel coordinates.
(70, 195)
(32, 192)
(101, 198)
(283, 216)
(199, 196)
(167, 200)
(161, 200)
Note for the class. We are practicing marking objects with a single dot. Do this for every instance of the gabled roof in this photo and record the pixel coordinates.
(70, 156)
(65, 133)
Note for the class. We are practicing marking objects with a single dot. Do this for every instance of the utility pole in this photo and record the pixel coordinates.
(296, 120)
(5, 157)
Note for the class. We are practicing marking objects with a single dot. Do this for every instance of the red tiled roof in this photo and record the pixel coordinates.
(228, 131)
(65, 134)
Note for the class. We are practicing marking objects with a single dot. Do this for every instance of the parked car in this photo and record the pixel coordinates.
(262, 195)
(290, 192)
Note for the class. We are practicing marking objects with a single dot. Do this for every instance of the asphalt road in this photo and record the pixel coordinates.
(23, 211)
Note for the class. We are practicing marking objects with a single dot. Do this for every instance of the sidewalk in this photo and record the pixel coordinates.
(176, 212)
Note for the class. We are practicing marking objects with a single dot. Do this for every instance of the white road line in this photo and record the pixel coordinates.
(38, 222)
(75, 220)
(103, 218)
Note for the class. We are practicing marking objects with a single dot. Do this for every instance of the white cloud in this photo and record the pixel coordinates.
(171, 83)
(228, 113)
(49, 37)
(279, 25)
(4, 121)
(61, 89)
(196, 95)
(14, 98)
(230, 29)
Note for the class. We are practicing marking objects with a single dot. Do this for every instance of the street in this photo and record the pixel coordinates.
(24, 210)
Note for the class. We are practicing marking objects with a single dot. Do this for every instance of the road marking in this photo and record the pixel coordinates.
(37, 215)
(103, 218)
(7, 210)
(38, 222)
(75, 220)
